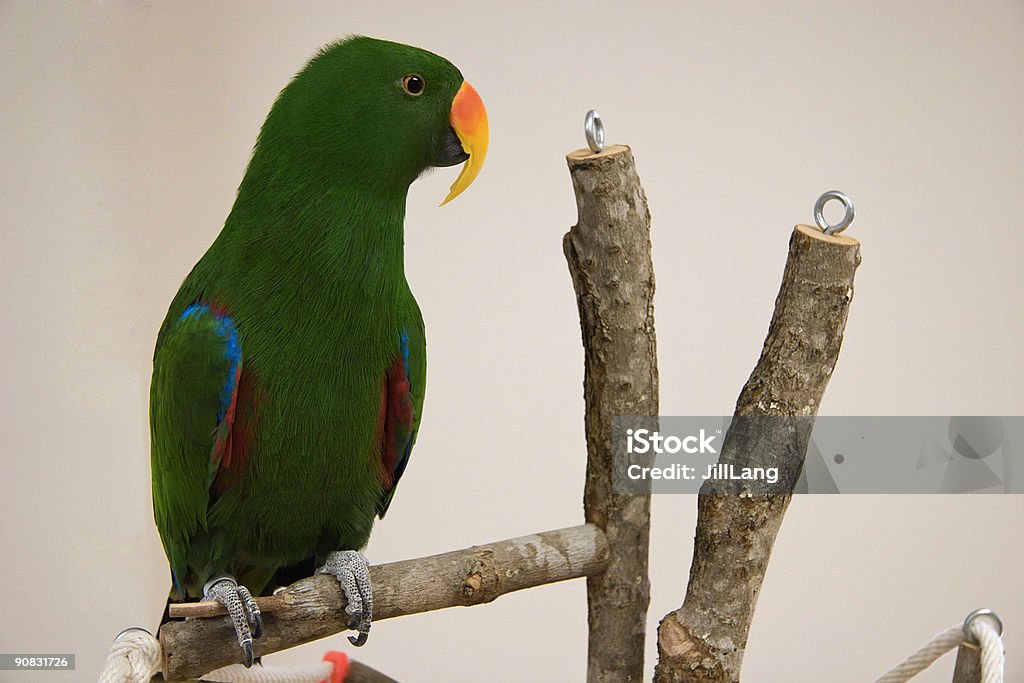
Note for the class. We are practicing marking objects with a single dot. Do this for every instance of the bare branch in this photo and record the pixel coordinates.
(314, 608)
(705, 639)
(609, 255)
(968, 668)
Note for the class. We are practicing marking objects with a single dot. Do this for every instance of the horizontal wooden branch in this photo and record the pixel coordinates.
(313, 608)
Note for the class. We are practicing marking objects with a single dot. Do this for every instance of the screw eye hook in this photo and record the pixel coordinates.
(819, 216)
(968, 636)
(593, 128)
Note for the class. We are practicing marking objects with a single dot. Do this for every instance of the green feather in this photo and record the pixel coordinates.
(310, 267)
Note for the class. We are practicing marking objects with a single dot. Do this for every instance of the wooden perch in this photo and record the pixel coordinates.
(609, 255)
(705, 639)
(314, 608)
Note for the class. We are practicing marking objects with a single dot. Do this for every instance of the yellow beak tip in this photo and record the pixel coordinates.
(469, 120)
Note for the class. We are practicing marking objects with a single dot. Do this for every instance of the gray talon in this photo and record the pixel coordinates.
(353, 573)
(241, 607)
(257, 630)
(253, 610)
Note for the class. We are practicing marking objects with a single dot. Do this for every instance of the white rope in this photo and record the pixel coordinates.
(993, 658)
(134, 657)
(925, 657)
(236, 673)
(992, 655)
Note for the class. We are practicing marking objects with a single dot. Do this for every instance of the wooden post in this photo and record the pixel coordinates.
(969, 666)
(968, 663)
(609, 256)
(705, 639)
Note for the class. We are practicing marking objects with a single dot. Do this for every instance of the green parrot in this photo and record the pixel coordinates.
(289, 373)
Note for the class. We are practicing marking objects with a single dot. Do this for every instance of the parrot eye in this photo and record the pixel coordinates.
(413, 84)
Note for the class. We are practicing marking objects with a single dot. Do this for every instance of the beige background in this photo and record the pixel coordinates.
(124, 130)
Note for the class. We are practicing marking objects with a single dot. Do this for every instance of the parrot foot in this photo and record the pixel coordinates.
(242, 609)
(353, 572)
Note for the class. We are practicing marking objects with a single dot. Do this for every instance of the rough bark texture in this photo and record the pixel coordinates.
(609, 255)
(704, 640)
(968, 664)
(314, 608)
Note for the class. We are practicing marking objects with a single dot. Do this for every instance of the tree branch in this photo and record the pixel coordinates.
(314, 608)
(705, 639)
(968, 668)
(609, 256)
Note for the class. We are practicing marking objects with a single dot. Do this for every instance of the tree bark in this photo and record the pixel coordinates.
(313, 608)
(609, 257)
(705, 639)
(968, 664)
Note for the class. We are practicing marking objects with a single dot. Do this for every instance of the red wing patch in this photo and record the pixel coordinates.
(395, 424)
(234, 435)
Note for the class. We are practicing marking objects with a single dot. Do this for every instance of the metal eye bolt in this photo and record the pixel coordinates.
(593, 128)
(819, 216)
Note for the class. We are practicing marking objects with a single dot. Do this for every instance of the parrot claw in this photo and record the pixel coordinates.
(242, 608)
(353, 572)
(257, 629)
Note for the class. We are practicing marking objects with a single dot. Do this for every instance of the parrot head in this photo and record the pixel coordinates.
(375, 115)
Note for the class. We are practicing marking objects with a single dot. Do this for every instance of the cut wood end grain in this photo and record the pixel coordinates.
(586, 153)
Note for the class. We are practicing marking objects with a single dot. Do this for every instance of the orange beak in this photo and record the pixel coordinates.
(469, 121)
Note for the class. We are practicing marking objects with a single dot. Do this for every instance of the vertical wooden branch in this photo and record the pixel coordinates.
(705, 639)
(609, 255)
(968, 664)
